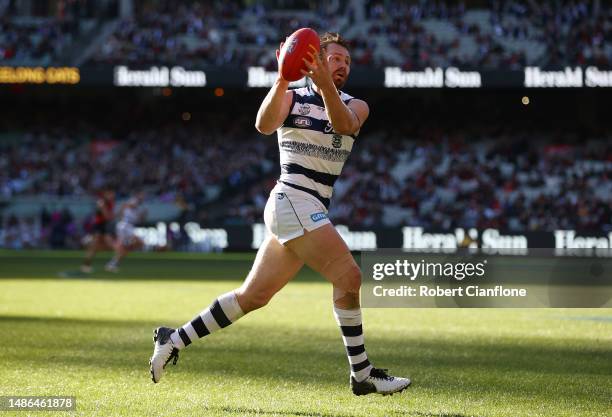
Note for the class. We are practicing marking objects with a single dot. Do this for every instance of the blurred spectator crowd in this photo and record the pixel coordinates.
(188, 164)
(44, 35)
(50, 229)
(435, 178)
(508, 34)
(511, 181)
(195, 160)
(410, 34)
(34, 41)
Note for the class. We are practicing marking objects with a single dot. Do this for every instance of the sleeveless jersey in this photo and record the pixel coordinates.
(311, 153)
(131, 215)
(100, 217)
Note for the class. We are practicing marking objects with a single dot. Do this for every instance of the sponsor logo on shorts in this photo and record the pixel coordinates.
(302, 121)
(318, 216)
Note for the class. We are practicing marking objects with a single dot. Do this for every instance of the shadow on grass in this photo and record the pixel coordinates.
(416, 413)
(458, 367)
(137, 268)
(257, 411)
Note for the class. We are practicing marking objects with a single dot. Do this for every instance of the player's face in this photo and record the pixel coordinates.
(339, 63)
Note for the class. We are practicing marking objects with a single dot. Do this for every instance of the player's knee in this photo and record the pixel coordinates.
(350, 280)
(344, 273)
(353, 279)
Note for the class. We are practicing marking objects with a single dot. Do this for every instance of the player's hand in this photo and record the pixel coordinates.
(317, 70)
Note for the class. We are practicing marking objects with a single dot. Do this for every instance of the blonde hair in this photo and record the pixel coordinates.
(332, 37)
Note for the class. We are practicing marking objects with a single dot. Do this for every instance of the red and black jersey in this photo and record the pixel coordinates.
(101, 217)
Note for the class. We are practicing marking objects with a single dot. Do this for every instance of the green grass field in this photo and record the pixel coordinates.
(91, 337)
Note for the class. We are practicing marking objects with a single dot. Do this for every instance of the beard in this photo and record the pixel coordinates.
(339, 82)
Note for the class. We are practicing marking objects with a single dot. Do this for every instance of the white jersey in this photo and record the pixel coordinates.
(130, 215)
(311, 154)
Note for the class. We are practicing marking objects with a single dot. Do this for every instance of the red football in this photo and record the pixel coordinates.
(294, 49)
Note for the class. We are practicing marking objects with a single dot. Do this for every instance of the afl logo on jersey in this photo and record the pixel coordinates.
(304, 109)
(337, 141)
(302, 122)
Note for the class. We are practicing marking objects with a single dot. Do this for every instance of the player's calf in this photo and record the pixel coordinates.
(250, 299)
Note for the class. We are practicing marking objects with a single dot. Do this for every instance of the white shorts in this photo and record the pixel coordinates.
(289, 211)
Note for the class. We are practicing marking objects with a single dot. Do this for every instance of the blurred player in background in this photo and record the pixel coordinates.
(316, 127)
(130, 214)
(101, 236)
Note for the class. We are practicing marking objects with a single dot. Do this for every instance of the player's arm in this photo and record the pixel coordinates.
(346, 119)
(275, 106)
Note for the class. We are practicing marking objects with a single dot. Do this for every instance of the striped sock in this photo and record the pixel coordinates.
(221, 313)
(352, 335)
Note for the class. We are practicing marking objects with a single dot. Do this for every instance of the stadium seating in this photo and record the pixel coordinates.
(410, 34)
(539, 185)
(512, 180)
(433, 179)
